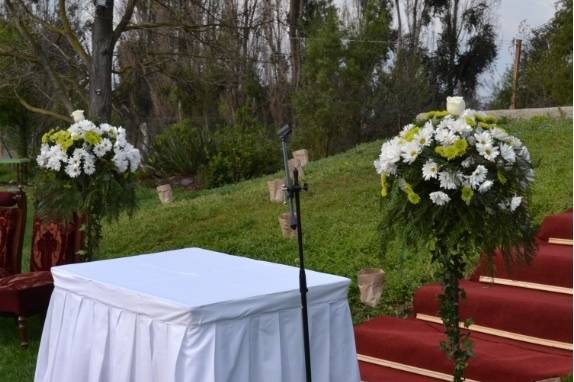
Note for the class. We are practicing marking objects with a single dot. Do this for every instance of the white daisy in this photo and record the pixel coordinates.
(410, 151)
(448, 180)
(515, 202)
(378, 166)
(73, 169)
(499, 134)
(507, 152)
(424, 136)
(430, 170)
(42, 158)
(89, 167)
(120, 160)
(467, 162)
(515, 142)
(483, 139)
(390, 154)
(439, 198)
(488, 151)
(107, 128)
(406, 129)
(460, 127)
(121, 139)
(445, 136)
(103, 147)
(446, 123)
(134, 157)
(524, 153)
(485, 186)
(55, 157)
(478, 176)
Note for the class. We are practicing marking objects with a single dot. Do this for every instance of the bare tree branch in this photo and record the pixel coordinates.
(71, 35)
(39, 110)
(54, 79)
(121, 27)
(19, 55)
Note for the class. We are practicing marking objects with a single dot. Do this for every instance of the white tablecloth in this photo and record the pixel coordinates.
(193, 315)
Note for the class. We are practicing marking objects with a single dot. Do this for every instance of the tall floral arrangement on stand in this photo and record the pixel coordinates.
(456, 183)
(88, 170)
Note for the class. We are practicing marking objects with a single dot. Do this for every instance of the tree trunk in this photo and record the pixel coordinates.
(101, 68)
(294, 39)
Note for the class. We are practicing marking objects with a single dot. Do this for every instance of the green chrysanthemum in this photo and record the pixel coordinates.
(384, 186)
(467, 194)
(470, 121)
(410, 135)
(92, 137)
(413, 198)
(62, 138)
(457, 149)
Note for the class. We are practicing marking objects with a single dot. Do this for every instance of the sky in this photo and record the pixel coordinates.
(510, 15)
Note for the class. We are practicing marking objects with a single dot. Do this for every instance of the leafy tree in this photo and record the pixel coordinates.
(402, 92)
(466, 45)
(545, 66)
(340, 65)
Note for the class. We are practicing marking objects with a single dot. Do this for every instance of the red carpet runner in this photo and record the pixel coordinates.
(521, 332)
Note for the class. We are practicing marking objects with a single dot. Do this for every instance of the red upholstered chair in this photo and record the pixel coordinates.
(25, 294)
(12, 225)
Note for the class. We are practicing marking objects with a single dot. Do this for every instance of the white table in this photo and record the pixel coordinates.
(193, 315)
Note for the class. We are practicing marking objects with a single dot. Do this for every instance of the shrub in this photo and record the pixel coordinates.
(231, 153)
(242, 151)
(180, 150)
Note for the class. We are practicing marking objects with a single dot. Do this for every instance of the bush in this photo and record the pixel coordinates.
(229, 154)
(180, 150)
(242, 151)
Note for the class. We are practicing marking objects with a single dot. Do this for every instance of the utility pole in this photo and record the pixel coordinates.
(516, 72)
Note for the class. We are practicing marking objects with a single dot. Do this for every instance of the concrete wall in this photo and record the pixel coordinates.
(556, 112)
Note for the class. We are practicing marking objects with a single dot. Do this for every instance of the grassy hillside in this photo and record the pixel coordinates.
(340, 218)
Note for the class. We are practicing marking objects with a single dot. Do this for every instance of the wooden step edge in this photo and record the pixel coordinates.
(408, 368)
(525, 284)
(502, 333)
(558, 241)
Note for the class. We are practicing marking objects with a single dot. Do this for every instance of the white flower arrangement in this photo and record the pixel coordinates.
(83, 148)
(458, 154)
(455, 184)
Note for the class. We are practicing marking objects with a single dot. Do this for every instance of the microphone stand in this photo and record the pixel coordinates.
(293, 191)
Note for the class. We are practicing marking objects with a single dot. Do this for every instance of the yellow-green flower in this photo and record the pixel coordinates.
(470, 121)
(62, 138)
(486, 126)
(467, 194)
(457, 149)
(384, 186)
(489, 119)
(414, 198)
(92, 137)
(47, 138)
(410, 135)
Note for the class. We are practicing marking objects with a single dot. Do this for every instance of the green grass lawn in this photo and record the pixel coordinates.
(340, 217)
